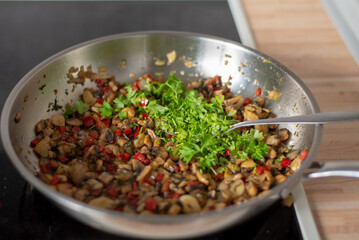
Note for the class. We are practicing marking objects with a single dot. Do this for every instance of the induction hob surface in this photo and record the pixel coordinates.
(35, 31)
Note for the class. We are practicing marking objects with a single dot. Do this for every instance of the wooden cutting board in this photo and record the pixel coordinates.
(300, 35)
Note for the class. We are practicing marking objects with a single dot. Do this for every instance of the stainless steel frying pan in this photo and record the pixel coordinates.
(212, 56)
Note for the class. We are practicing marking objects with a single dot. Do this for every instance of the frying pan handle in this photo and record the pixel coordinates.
(333, 169)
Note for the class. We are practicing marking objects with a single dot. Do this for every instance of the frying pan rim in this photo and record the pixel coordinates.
(71, 203)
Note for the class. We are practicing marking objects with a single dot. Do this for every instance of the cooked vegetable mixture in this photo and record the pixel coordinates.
(158, 147)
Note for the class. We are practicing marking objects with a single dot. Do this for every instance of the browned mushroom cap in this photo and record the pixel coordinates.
(273, 140)
(237, 188)
(103, 202)
(283, 134)
(43, 147)
(74, 122)
(252, 189)
(58, 120)
(190, 204)
(88, 97)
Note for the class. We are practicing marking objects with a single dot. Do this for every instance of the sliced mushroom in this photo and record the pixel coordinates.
(78, 172)
(273, 140)
(147, 141)
(139, 142)
(58, 120)
(130, 112)
(237, 188)
(295, 164)
(203, 178)
(144, 173)
(74, 122)
(190, 204)
(249, 116)
(252, 189)
(105, 177)
(94, 184)
(88, 97)
(279, 179)
(43, 147)
(174, 209)
(283, 134)
(103, 202)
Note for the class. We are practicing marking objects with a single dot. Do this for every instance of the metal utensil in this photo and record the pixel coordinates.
(316, 118)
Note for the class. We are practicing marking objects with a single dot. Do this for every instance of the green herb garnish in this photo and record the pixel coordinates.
(42, 87)
(79, 107)
(198, 125)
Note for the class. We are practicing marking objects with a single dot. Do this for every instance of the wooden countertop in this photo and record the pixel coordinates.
(301, 35)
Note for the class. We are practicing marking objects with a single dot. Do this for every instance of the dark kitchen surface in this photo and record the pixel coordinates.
(33, 31)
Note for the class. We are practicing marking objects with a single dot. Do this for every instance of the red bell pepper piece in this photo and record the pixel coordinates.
(147, 180)
(44, 168)
(76, 130)
(88, 121)
(135, 86)
(135, 186)
(34, 142)
(285, 162)
(111, 168)
(107, 122)
(118, 132)
(63, 158)
(112, 192)
(137, 132)
(193, 183)
(96, 192)
(126, 156)
(259, 170)
(303, 155)
(176, 195)
(100, 124)
(55, 180)
(144, 115)
(130, 195)
(268, 168)
(217, 79)
(71, 139)
(176, 167)
(62, 129)
(127, 131)
(143, 103)
(94, 134)
(247, 101)
(150, 204)
(159, 177)
(220, 176)
(258, 92)
(139, 156)
(228, 152)
(89, 142)
(146, 161)
(53, 163)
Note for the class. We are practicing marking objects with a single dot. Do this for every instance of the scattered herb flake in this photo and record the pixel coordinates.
(42, 87)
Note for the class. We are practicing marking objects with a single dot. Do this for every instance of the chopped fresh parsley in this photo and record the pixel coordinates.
(79, 107)
(197, 125)
(106, 110)
(42, 87)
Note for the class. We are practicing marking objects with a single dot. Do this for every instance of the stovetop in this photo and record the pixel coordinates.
(35, 31)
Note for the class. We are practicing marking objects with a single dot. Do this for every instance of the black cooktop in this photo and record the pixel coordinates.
(33, 31)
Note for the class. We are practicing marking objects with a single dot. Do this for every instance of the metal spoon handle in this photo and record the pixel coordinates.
(316, 118)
